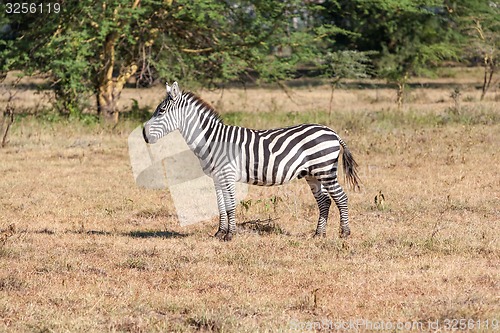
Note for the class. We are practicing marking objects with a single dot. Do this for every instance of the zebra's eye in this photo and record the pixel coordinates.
(161, 110)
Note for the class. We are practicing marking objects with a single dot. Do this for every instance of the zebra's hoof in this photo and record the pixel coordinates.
(319, 234)
(228, 237)
(345, 233)
(220, 234)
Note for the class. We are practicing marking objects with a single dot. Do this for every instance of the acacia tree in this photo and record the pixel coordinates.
(96, 46)
(419, 39)
(409, 37)
(75, 49)
(215, 41)
(346, 64)
(116, 24)
(480, 22)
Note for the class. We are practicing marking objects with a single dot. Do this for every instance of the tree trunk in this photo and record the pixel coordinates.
(400, 94)
(333, 85)
(7, 116)
(108, 89)
(6, 121)
(401, 91)
(489, 69)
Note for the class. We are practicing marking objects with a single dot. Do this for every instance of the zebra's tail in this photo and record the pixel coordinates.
(350, 166)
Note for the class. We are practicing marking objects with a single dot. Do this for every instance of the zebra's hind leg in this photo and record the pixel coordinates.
(323, 201)
(338, 195)
(223, 221)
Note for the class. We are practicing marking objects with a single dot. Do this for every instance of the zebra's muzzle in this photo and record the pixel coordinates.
(144, 134)
(147, 137)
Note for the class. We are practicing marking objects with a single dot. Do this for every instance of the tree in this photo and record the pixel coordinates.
(7, 114)
(213, 42)
(96, 46)
(75, 47)
(117, 24)
(480, 23)
(410, 37)
(346, 64)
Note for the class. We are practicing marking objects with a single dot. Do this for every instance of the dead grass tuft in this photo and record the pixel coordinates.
(205, 323)
(11, 283)
(268, 226)
(6, 234)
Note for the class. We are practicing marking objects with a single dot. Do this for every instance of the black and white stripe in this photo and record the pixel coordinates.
(232, 154)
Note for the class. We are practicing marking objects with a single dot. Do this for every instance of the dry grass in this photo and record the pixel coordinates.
(83, 249)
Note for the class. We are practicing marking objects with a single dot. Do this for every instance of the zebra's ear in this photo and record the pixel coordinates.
(175, 91)
(169, 89)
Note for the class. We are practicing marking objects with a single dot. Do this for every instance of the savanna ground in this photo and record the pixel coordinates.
(82, 248)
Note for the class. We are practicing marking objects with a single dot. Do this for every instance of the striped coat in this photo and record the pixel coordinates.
(232, 154)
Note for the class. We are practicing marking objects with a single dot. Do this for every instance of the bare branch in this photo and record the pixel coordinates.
(207, 49)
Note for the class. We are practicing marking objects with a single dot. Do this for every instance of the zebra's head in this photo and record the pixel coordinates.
(165, 119)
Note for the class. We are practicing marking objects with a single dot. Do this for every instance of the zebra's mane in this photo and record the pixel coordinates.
(204, 106)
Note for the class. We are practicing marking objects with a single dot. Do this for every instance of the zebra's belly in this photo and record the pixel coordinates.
(271, 178)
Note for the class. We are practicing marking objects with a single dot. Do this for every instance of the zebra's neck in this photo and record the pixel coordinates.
(201, 123)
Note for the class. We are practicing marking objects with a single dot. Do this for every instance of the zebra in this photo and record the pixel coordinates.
(230, 154)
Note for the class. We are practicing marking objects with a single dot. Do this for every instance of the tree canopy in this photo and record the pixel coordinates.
(93, 47)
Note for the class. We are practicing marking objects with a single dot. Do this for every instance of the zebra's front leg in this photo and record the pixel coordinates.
(226, 200)
(232, 225)
(229, 192)
(223, 221)
(324, 202)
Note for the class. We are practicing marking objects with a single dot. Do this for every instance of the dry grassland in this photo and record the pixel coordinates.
(82, 249)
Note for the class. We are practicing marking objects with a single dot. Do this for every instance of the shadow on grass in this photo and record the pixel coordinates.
(133, 234)
(44, 231)
(154, 234)
(96, 232)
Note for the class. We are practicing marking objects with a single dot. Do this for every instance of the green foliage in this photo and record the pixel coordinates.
(218, 41)
(137, 113)
(409, 36)
(68, 46)
(347, 64)
(212, 42)
(480, 24)
(419, 40)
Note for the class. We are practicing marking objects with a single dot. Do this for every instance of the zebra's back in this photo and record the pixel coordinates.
(276, 156)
